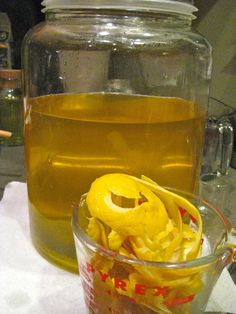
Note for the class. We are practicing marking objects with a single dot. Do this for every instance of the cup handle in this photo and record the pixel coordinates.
(231, 241)
(226, 138)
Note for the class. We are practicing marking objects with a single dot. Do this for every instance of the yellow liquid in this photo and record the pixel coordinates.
(72, 139)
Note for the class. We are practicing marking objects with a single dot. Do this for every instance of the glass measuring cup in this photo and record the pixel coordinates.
(114, 283)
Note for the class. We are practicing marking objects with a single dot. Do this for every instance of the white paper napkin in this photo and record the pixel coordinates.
(30, 285)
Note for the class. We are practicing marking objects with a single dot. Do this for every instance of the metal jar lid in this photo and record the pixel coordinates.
(185, 7)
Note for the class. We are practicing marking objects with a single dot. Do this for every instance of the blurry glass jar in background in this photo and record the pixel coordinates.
(5, 41)
(11, 120)
(11, 106)
(110, 86)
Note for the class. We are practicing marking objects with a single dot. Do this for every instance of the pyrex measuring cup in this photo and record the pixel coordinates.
(219, 138)
(114, 283)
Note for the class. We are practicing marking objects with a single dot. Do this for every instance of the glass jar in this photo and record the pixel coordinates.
(5, 41)
(11, 106)
(12, 166)
(109, 87)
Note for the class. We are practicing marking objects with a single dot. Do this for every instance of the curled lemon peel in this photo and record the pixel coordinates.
(132, 221)
(153, 223)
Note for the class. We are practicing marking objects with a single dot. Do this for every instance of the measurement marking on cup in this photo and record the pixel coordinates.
(178, 301)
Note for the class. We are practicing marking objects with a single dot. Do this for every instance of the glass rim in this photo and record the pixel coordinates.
(81, 236)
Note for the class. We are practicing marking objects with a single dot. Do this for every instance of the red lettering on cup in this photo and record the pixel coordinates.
(178, 301)
(140, 289)
(120, 284)
(161, 291)
(103, 276)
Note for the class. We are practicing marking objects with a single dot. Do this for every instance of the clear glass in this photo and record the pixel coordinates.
(11, 106)
(113, 283)
(12, 166)
(219, 139)
(108, 91)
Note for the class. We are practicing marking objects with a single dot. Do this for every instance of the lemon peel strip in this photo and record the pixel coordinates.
(178, 201)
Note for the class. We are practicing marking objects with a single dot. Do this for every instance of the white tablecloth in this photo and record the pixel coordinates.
(30, 285)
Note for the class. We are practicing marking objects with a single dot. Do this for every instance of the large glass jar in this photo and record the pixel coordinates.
(110, 86)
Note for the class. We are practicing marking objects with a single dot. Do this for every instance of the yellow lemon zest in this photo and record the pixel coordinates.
(96, 231)
(115, 240)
